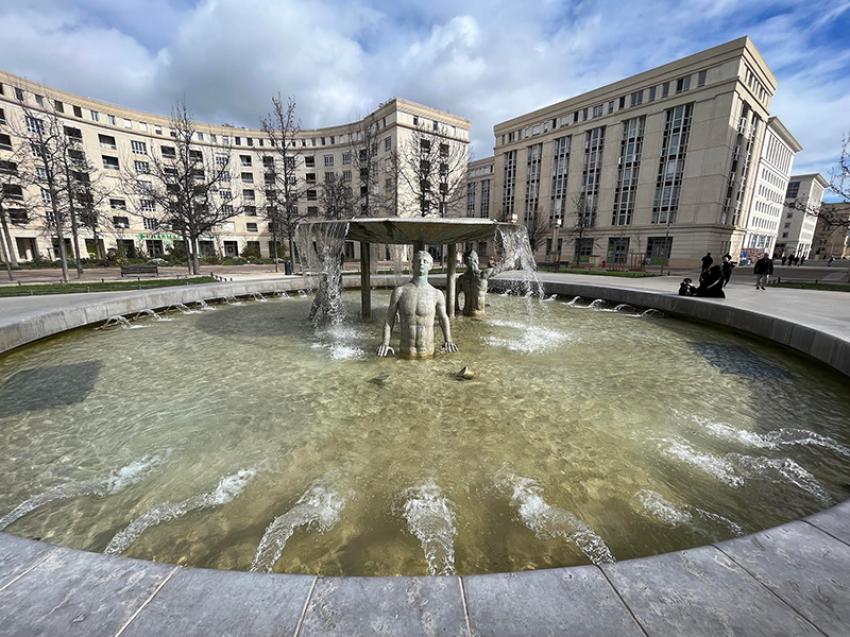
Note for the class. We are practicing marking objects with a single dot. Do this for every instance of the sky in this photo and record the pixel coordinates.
(483, 59)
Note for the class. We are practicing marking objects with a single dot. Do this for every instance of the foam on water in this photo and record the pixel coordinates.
(184, 310)
(430, 518)
(549, 299)
(597, 304)
(107, 485)
(574, 300)
(202, 305)
(652, 313)
(657, 507)
(318, 509)
(342, 342)
(546, 520)
(715, 466)
(228, 488)
(784, 437)
(531, 338)
(342, 352)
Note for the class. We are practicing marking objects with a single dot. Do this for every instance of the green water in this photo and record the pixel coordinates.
(585, 436)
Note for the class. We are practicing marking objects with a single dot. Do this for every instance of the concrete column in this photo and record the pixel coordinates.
(365, 283)
(450, 280)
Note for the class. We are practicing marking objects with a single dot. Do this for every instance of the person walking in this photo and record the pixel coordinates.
(707, 261)
(726, 267)
(763, 269)
(784, 259)
(802, 260)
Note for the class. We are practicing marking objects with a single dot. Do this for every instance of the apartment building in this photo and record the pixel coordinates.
(771, 183)
(479, 195)
(117, 140)
(802, 202)
(832, 239)
(661, 165)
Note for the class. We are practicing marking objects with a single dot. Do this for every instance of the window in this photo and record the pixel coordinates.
(683, 84)
(111, 119)
(142, 167)
(310, 161)
(121, 222)
(591, 174)
(168, 152)
(311, 195)
(2, 116)
(508, 192)
(597, 110)
(41, 173)
(78, 112)
(627, 176)
(118, 204)
(346, 175)
(251, 227)
(247, 178)
(14, 191)
(196, 155)
(200, 136)
(5, 142)
(415, 119)
(701, 78)
(95, 116)
(73, 134)
(147, 205)
(245, 160)
(268, 161)
(313, 211)
(8, 167)
(249, 195)
(110, 163)
(532, 181)
(652, 93)
(636, 98)
(19, 94)
(106, 141)
(793, 190)
(665, 89)
(140, 148)
(58, 106)
(671, 164)
(329, 160)
(388, 143)
(18, 216)
(35, 125)
(149, 223)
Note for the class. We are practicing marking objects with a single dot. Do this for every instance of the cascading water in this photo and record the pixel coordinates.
(430, 518)
(320, 247)
(512, 241)
(148, 312)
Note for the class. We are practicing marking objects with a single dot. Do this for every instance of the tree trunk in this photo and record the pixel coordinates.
(7, 237)
(292, 252)
(75, 242)
(274, 250)
(6, 260)
(196, 265)
(63, 254)
(188, 249)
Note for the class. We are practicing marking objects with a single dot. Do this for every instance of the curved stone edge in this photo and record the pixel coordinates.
(790, 579)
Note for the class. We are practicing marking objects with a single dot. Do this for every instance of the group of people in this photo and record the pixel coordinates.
(793, 260)
(712, 279)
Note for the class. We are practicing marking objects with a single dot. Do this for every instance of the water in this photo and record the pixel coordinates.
(320, 247)
(537, 462)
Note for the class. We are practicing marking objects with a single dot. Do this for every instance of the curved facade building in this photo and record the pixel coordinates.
(117, 141)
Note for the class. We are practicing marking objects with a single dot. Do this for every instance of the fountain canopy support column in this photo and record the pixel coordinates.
(365, 282)
(451, 281)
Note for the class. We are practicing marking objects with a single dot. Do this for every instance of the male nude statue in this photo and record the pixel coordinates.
(473, 284)
(416, 303)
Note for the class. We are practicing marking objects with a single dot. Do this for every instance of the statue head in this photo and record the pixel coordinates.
(470, 258)
(422, 263)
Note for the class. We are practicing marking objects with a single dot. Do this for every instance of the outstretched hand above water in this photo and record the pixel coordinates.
(385, 350)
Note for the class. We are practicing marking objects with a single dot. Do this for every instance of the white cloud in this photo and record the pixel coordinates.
(488, 61)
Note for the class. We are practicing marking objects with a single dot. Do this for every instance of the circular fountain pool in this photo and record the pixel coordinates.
(242, 438)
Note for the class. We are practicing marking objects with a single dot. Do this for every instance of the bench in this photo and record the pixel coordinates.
(139, 269)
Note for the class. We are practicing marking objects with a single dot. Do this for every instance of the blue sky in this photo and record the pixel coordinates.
(486, 60)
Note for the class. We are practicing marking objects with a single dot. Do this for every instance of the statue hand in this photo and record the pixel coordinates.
(449, 346)
(385, 350)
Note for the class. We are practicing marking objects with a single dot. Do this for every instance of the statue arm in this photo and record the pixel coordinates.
(384, 348)
(449, 345)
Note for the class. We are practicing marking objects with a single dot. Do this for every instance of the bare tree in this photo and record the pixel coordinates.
(282, 128)
(186, 191)
(336, 199)
(363, 140)
(839, 185)
(538, 226)
(434, 170)
(44, 134)
(16, 175)
(575, 227)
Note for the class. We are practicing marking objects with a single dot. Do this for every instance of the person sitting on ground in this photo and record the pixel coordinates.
(711, 285)
(686, 288)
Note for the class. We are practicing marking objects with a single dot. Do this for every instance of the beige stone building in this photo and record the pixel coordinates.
(661, 164)
(769, 188)
(802, 201)
(117, 140)
(832, 240)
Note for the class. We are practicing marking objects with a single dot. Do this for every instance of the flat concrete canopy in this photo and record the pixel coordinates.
(422, 230)
(418, 231)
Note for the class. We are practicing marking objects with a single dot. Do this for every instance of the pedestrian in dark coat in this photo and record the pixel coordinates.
(711, 285)
(726, 267)
(763, 269)
(707, 261)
